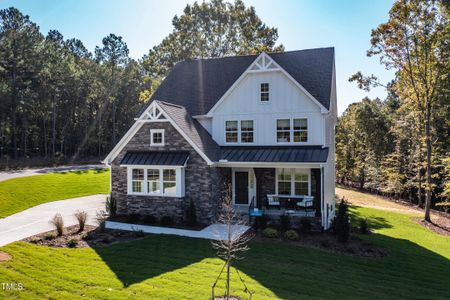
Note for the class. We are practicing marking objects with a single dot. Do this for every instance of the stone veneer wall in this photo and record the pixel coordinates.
(202, 182)
(265, 183)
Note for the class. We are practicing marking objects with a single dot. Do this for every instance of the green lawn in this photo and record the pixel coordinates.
(170, 267)
(21, 193)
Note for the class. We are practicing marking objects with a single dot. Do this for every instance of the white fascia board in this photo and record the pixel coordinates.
(249, 70)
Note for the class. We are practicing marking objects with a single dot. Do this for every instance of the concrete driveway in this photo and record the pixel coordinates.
(36, 219)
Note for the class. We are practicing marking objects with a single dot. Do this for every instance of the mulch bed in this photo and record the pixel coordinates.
(328, 242)
(91, 236)
(4, 256)
(439, 225)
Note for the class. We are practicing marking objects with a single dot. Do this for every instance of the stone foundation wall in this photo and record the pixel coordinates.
(201, 181)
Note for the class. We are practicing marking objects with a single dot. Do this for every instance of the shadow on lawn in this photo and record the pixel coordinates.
(374, 222)
(292, 271)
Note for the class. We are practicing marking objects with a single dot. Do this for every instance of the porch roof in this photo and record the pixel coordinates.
(275, 154)
(155, 158)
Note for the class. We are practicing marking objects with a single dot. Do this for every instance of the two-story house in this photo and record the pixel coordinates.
(261, 126)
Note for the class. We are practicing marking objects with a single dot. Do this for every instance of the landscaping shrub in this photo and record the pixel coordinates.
(50, 236)
(363, 226)
(139, 232)
(35, 240)
(262, 222)
(166, 221)
(58, 223)
(86, 236)
(133, 218)
(291, 235)
(191, 216)
(72, 243)
(325, 243)
(270, 233)
(81, 217)
(342, 222)
(111, 206)
(150, 219)
(285, 222)
(305, 224)
(101, 217)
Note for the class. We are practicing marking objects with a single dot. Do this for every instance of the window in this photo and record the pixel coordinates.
(264, 92)
(301, 182)
(153, 183)
(284, 182)
(298, 134)
(169, 181)
(283, 130)
(292, 182)
(159, 181)
(137, 180)
(156, 137)
(231, 131)
(247, 131)
(300, 130)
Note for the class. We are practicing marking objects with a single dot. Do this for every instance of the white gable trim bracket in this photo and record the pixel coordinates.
(153, 113)
(264, 63)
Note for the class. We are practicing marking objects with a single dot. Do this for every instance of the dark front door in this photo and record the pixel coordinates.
(241, 188)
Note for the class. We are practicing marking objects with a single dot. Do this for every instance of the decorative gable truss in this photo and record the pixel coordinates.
(154, 114)
(264, 63)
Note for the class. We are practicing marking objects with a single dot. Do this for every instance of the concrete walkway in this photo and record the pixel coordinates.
(36, 219)
(5, 175)
(212, 232)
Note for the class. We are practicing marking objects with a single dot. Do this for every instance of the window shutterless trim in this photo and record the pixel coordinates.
(152, 132)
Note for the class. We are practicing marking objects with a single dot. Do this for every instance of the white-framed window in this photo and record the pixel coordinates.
(153, 181)
(156, 181)
(283, 130)
(239, 131)
(264, 90)
(137, 181)
(247, 131)
(169, 181)
(156, 137)
(231, 131)
(293, 182)
(300, 130)
(292, 130)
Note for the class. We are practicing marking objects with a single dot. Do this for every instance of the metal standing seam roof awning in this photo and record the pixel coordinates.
(275, 154)
(155, 158)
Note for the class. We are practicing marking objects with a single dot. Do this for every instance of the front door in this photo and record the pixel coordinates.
(241, 187)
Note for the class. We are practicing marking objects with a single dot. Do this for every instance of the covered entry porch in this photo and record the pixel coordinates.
(276, 191)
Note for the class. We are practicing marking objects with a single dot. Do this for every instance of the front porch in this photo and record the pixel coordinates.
(273, 192)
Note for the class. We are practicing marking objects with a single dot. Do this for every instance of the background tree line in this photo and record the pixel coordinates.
(61, 103)
(400, 146)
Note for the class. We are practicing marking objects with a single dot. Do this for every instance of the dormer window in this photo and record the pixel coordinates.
(264, 92)
(156, 137)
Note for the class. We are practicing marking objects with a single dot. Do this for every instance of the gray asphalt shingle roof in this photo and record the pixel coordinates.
(198, 84)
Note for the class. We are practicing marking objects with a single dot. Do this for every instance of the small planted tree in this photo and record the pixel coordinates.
(111, 206)
(233, 244)
(342, 222)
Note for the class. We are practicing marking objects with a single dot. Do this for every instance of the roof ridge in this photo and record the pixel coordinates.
(249, 55)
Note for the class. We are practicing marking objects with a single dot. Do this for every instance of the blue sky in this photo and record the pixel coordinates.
(302, 24)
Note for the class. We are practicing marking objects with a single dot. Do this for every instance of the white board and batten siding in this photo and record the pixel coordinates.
(286, 100)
